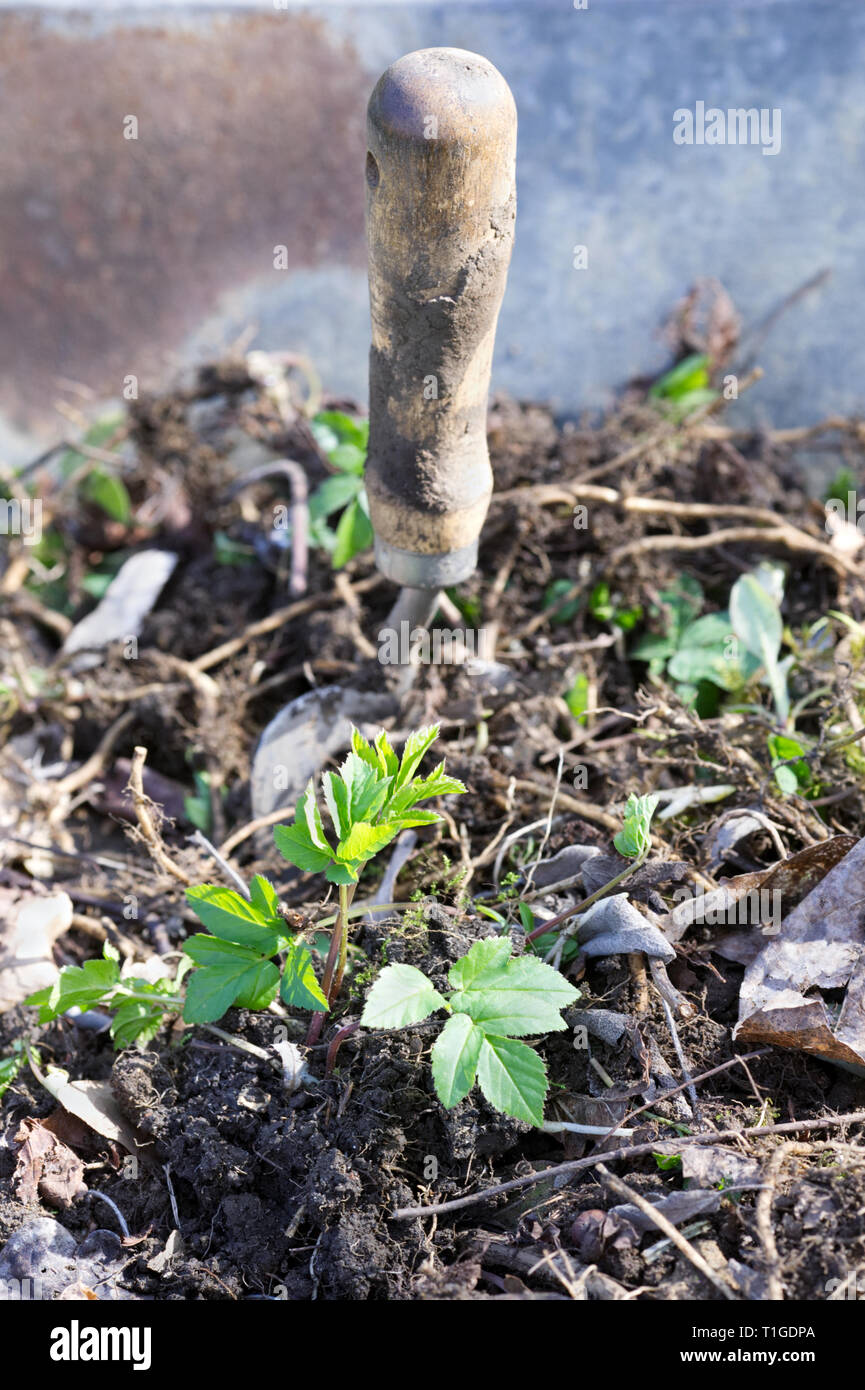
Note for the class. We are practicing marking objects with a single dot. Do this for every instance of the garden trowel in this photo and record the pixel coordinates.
(440, 209)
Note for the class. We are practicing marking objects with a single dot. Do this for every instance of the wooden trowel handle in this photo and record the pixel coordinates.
(440, 208)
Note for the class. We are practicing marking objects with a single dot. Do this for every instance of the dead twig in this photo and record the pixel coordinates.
(763, 1213)
(579, 1165)
(621, 1189)
(149, 832)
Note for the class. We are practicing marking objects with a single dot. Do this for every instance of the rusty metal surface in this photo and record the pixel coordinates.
(250, 135)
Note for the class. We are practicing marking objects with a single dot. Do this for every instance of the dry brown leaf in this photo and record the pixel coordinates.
(792, 879)
(46, 1167)
(29, 926)
(819, 947)
(92, 1102)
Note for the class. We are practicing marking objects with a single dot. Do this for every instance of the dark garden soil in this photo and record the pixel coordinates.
(292, 1195)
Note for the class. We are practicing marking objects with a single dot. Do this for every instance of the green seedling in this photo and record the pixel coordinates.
(606, 610)
(370, 800)
(684, 388)
(553, 596)
(10, 1066)
(495, 1000)
(374, 796)
(138, 1006)
(634, 840)
(755, 616)
(344, 441)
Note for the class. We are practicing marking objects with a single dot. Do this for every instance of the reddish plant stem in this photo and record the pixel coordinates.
(335, 1043)
(334, 967)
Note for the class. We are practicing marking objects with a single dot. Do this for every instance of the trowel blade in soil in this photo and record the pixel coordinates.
(299, 740)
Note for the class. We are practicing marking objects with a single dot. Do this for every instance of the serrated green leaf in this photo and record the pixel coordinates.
(260, 990)
(455, 1059)
(264, 897)
(401, 995)
(299, 986)
(211, 991)
(135, 1022)
(365, 840)
(513, 1078)
(362, 748)
(233, 918)
(388, 760)
(295, 845)
(9, 1069)
(353, 534)
(416, 817)
(359, 778)
(76, 986)
(415, 746)
(213, 950)
(309, 815)
(336, 800)
(486, 957)
(513, 999)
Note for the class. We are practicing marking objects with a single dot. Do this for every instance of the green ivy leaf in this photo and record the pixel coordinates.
(455, 1059)
(401, 995)
(513, 1078)
(299, 986)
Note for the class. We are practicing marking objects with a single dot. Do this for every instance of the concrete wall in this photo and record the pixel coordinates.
(128, 256)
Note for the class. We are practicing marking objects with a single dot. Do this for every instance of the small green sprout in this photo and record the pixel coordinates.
(634, 840)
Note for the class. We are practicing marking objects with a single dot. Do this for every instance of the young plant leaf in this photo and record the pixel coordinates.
(513, 1078)
(455, 1059)
(489, 955)
(521, 997)
(337, 802)
(77, 986)
(260, 990)
(365, 840)
(264, 899)
(299, 986)
(415, 746)
(756, 620)
(401, 995)
(634, 840)
(295, 845)
(212, 991)
(232, 918)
